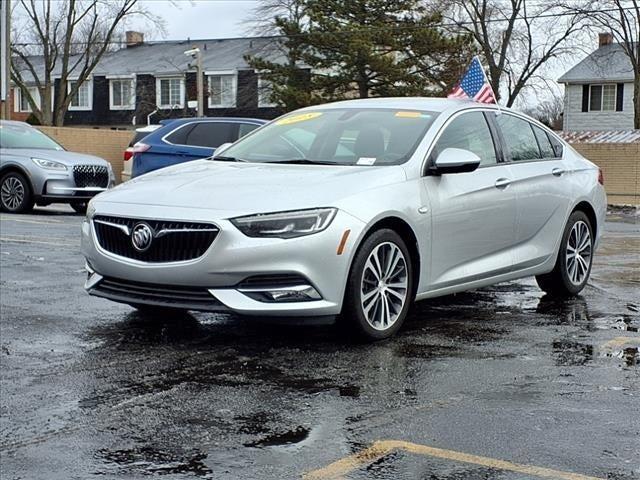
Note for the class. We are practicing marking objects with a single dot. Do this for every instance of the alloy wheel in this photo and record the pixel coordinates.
(384, 286)
(12, 193)
(578, 253)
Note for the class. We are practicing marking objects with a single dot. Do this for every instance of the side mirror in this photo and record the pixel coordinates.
(221, 148)
(455, 160)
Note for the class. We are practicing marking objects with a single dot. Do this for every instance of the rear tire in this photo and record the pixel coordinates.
(379, 289)
(15, 193)
(575, 257)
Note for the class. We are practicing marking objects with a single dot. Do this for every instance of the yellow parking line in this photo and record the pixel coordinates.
(40, 242)
(381, 448)
(620, 342)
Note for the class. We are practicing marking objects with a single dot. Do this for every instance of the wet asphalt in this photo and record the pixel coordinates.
(90, 389)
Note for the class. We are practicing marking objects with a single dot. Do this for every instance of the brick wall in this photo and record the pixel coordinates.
(103, 143)
(620, 163)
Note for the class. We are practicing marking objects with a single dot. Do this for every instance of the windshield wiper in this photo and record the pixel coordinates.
(305, 161)
(226, 159)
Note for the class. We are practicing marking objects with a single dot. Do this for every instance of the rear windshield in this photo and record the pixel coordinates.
(345, 136)
(18, 136)
(137, 137)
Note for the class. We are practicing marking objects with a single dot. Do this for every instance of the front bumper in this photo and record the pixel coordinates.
(60, 187)
(231, 259)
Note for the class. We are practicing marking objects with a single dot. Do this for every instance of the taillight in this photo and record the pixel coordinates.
(600, 177)
(128, 153)
(140, 147)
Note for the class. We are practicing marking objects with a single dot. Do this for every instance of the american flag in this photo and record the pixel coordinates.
(474, 85)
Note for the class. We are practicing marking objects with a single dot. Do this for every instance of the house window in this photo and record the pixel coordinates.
(222, 90)
(170, 92)
(21, 102)
(265, 93)
(602, 98)
(82, 99)
(122, 94)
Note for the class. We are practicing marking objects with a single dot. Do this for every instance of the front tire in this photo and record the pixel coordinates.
(575, 257)
(380, 286)
(80, 207)
(15, 193)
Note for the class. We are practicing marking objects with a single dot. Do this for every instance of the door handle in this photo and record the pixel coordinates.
(502, 183)
(557, 171)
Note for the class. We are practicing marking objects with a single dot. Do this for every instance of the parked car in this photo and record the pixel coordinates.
(128, 153)
(34, 169)
(188, 139)
(353, 209)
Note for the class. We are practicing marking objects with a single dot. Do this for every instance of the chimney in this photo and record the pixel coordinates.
(605, 39)
(134, 39)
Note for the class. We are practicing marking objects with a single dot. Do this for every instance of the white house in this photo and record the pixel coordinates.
(599, 90)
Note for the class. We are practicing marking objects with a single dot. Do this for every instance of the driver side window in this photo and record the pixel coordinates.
(469, 131)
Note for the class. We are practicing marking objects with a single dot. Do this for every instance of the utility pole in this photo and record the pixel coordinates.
(197, 55)
(200, 84)
(5, 58)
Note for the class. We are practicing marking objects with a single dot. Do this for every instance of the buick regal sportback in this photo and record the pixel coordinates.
(352, 210)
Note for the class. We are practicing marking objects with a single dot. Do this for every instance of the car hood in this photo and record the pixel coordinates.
(62, 156)
(245, 188)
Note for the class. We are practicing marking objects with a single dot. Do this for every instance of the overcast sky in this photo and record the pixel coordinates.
(202, 18)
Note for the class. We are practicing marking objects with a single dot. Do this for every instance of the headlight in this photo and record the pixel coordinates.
(285, 224)
(49, 164)
(91, 210)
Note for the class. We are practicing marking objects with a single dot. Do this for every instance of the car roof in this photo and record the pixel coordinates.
(409, 103)
(180, 121)
(15, 123)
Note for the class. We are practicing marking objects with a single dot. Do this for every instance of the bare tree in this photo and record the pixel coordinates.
(65, 40)
(622, 19)
(515, 39)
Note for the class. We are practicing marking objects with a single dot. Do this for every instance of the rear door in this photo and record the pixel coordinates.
(205, 137)
(541, 187)
(474, 213)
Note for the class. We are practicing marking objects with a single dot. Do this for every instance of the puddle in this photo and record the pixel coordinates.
(290, 437)
(630, 355)
(623, 322)
(570, 353)
(152, 461)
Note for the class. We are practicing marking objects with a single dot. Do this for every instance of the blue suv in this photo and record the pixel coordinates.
(185, 139)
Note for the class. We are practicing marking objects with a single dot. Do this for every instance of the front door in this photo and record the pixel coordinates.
(473, 214)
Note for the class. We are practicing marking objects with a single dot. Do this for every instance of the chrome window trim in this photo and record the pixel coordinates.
(240, 122)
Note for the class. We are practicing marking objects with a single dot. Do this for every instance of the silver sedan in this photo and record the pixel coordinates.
(34, 169)
(352, 210)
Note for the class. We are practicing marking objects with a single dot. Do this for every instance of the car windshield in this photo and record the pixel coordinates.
(341, 136)
(17, 136)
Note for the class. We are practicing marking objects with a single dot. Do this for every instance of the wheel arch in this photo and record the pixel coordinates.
(590, 212)
(17, 168)
(402, 228)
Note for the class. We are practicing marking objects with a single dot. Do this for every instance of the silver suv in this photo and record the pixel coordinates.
(34, 169)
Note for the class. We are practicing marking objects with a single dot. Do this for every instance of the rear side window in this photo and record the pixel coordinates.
(546, 149)
(558, 149)
(469, 131)
(519, 137)
(212, 134)
(246, 128)
(179, 136)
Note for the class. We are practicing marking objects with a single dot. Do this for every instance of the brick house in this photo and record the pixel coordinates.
(599, 90)
(156, 79)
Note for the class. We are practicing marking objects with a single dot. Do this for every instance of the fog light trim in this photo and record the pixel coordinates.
(294, 293)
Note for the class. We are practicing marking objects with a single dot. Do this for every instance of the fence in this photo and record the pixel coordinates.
(103, 143)
(620, 164)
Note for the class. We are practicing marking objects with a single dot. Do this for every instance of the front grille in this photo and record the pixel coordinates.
(190, 298)
(91, 176)
(172, 241)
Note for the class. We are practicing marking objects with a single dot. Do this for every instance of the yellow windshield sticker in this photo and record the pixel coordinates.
(408, 114)
(301, 117)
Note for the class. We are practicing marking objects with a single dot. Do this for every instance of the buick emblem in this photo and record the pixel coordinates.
(141, 237)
